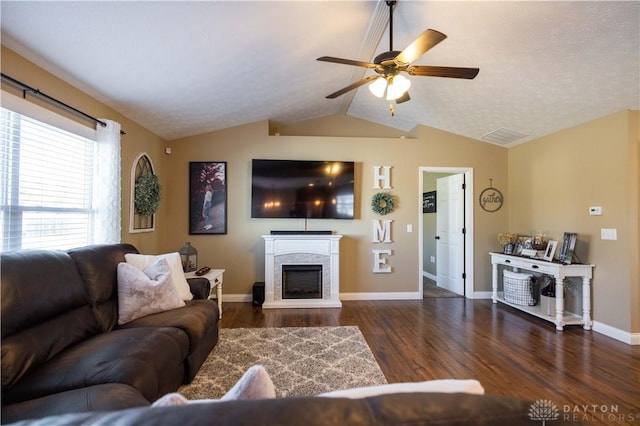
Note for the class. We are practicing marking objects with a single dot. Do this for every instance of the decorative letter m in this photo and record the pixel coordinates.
(381, 231)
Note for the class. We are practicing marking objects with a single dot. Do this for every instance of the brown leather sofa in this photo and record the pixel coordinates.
(409, 409)
(62, 350)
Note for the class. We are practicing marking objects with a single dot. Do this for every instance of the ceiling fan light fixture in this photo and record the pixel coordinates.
(389, 83)
(378, 87)
(398, 85)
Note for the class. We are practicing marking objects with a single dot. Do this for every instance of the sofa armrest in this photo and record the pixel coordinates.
(200, 287)
(105, 397)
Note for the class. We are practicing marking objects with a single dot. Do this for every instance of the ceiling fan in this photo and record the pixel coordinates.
(389, 82)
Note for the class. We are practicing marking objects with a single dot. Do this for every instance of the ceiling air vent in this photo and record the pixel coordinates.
(503, 136)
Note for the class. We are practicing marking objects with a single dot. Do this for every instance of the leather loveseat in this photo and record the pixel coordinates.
(63, 350)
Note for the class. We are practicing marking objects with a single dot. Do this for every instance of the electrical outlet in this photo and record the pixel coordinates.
(433, 259)
(409, 228)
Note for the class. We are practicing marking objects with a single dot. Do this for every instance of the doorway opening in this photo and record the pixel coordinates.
(445, 241)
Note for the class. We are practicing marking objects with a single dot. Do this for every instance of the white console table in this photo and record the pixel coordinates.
(559, 271)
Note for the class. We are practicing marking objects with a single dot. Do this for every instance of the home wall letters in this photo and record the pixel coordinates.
(381, 229)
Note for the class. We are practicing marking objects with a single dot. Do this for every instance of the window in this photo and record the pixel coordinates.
(49, 192)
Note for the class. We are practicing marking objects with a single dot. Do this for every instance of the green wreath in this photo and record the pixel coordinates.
(147, 195)
(382, 203)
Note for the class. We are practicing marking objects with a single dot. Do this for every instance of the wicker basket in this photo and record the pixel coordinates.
(519, 288)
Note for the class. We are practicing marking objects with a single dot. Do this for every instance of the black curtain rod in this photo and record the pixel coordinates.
(28, 89)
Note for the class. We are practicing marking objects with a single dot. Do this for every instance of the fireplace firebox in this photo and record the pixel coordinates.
(302, 281)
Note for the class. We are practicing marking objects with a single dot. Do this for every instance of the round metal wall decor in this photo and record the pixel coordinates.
(491, 199)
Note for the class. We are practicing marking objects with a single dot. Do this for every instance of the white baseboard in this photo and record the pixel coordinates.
(482, 295)
(430, 276)
(343, 296)
(615, 333)
(409, 295)
(237, 298)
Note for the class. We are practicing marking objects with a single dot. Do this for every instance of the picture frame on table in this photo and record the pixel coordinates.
(207, 197)
(517, 248)
(568, 247)
(550, 250)
(526, 246)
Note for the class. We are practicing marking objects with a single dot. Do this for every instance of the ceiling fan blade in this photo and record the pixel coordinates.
(352, 86)
(452, 72)
(404, 98)
(419, 46)
(346, 62)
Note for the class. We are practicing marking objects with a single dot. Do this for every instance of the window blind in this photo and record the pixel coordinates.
(46, 185)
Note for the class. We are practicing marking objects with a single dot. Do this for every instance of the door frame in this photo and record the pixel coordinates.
(468, 224)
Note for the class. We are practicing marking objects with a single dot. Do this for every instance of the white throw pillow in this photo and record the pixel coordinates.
(255, 383)
(434, 386)
(142, 293)
(142, 262)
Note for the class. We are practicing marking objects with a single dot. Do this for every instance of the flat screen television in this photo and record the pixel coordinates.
(302, 189)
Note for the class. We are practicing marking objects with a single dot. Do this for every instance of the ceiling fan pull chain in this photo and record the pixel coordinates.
(391, 110)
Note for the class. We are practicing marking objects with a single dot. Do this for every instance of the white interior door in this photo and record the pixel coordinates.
(450, 233)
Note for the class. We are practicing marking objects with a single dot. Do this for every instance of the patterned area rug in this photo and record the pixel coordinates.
(300, 361)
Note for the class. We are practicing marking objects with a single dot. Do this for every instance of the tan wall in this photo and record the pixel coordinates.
(552, 183)
(241, 251)
(137, 139)
(634, 217)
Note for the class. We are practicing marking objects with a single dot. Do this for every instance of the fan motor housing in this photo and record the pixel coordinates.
(386, 56)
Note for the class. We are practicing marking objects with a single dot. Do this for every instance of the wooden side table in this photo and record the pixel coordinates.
(215, 277)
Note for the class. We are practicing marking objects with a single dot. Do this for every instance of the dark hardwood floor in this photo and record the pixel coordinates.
(594, 377)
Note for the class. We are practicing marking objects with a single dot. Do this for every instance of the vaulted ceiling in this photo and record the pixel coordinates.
(181, 68)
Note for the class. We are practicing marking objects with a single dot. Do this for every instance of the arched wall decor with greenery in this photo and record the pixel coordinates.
(144, 204)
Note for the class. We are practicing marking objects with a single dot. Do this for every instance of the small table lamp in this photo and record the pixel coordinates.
(189, 257)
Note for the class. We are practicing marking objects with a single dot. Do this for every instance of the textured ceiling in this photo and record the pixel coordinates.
(184, 68)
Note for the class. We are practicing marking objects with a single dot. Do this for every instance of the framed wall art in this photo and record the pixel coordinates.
(208, 197)
(429, 202)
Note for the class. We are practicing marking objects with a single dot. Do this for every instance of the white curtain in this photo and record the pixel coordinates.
(107, 183)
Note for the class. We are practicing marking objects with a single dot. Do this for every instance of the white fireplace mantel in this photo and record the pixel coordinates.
(301, 249)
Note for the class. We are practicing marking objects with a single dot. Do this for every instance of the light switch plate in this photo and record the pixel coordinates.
(608, 234)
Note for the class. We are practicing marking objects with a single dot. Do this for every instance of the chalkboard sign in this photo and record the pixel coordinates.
(429, 202)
